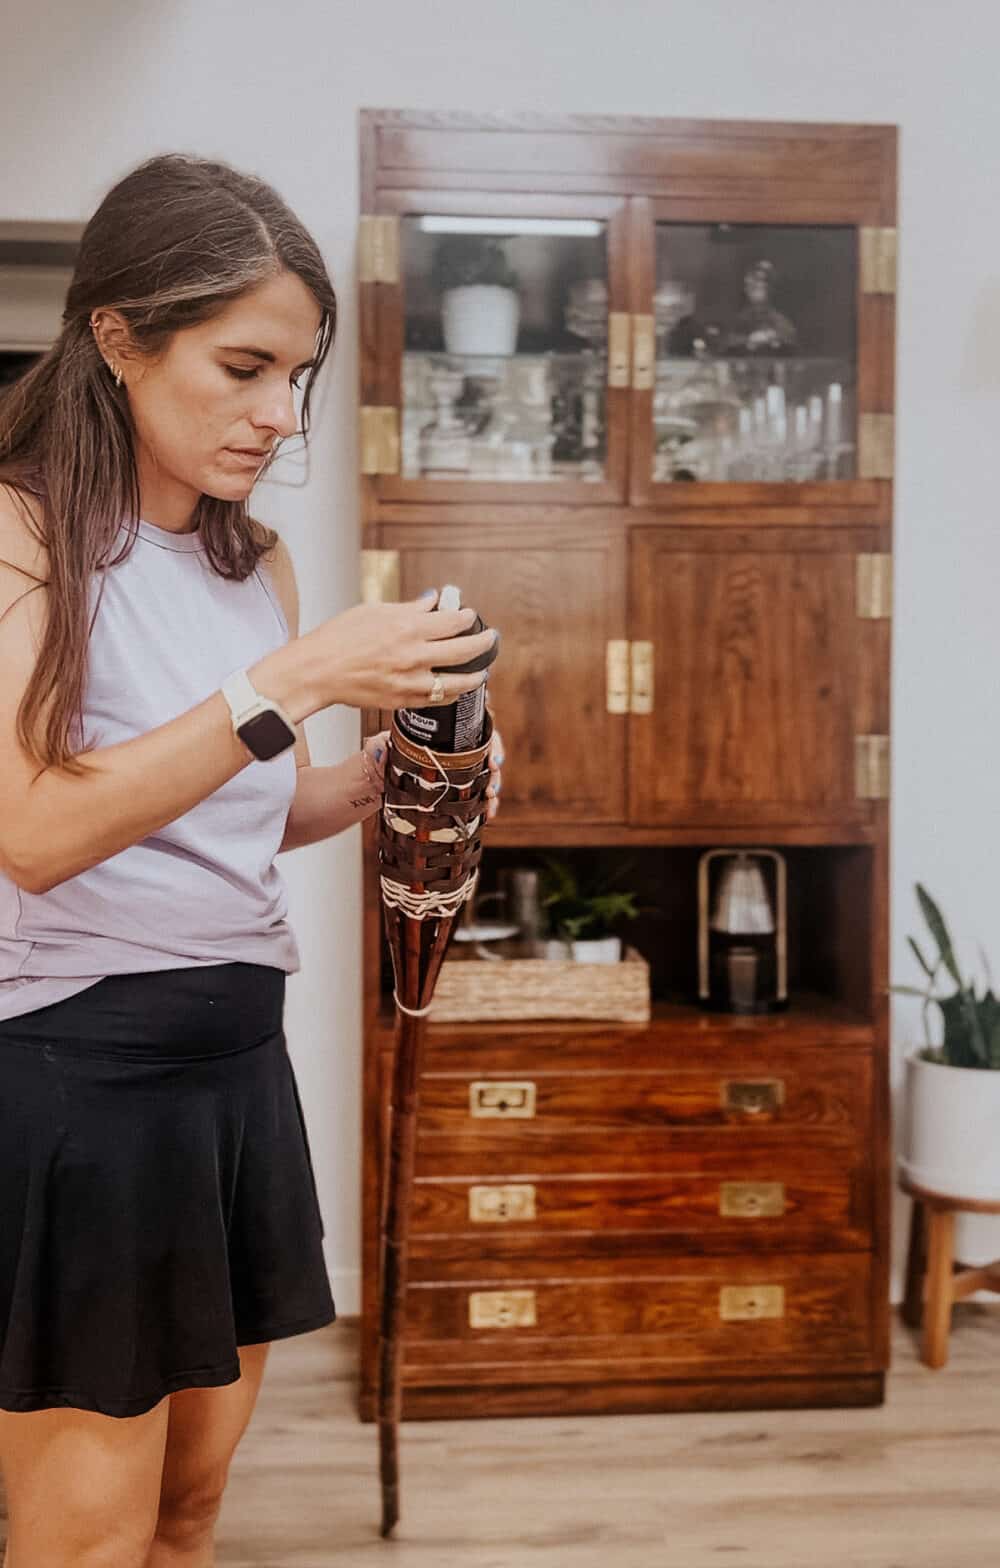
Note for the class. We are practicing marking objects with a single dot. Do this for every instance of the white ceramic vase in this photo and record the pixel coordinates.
(480, 318)
(599, 950)
(951, 1129)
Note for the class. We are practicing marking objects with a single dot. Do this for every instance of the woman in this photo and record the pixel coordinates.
(159, 1225)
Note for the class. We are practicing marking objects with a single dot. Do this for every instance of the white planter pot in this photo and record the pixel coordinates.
(481, 318)
(951, 1129)
(604, 950)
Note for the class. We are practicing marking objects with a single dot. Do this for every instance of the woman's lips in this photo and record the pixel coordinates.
(252, 459)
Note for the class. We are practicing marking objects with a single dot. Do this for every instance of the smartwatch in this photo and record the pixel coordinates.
(261, 724)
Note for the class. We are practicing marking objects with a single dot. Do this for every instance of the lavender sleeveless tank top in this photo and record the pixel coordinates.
(204, 889)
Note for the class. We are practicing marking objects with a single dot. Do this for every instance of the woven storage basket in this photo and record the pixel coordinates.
(475, 989)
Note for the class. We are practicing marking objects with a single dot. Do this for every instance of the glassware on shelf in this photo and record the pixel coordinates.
(444, 442)
(673, 303)
(760, 328)
(695, 417)
(528, 417)
(586, 313)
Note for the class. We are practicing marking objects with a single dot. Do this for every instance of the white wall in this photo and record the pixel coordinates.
(86, 91)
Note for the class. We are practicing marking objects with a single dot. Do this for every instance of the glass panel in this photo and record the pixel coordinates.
(505, 348)
(756, 353)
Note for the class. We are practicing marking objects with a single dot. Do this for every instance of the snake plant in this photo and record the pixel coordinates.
(971, 1022)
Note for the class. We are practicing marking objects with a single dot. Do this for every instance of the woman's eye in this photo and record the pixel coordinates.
(248, 375)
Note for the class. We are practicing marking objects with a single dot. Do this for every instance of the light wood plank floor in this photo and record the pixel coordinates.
(911, 1485)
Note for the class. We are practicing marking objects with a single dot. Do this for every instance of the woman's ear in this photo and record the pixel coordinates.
(112, 335)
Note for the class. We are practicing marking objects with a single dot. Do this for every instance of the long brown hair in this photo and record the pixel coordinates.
(171, 245)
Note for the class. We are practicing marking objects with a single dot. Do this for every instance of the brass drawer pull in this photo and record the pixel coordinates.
(746, 1303)
(757, 1098)
(502, 1309)
(501, 1099)
(501, 1205)
(751, 1200)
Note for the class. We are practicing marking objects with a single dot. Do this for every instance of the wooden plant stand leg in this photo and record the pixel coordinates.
(916, 1262)
(939, 1297)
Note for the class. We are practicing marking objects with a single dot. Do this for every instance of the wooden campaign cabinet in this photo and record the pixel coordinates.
(671, 487)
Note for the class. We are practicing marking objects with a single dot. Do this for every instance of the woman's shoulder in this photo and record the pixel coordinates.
(278, 560)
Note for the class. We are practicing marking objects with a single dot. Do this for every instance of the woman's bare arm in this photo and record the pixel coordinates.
(52, 825)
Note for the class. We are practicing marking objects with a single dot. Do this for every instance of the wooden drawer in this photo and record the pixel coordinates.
(656, 1315)
(729, 1199)
(636, 1120)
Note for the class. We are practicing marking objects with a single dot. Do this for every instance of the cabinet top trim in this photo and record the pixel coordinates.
(629, 124)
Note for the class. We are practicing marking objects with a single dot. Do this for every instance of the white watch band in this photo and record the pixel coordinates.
(242, 696)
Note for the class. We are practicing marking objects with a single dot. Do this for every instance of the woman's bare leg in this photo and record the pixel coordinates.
(82, 1489)
(205, 1426)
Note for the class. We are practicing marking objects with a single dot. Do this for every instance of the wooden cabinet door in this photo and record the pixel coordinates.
(767, 681)
(557, 598)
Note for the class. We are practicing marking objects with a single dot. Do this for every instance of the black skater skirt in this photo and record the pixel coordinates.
(158, 1206)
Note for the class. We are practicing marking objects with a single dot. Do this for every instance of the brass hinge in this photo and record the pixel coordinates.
(502, 1309)
(489, 1098)
(745, 1303)
(643, 352)
(501, 1205)
(616, 676)
(379, 576)
(378, 249)
(878, 261)
(641, 698)
(751, 1200)
(379, 440)
(874, 587)
(871, 767)
(876, 446)
(619, 348)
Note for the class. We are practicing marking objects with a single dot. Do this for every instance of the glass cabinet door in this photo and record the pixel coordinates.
(504, 359)
(752, 339)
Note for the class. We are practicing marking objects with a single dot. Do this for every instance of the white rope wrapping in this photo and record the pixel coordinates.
(412, 1012)
(436, 835)
(427, 906)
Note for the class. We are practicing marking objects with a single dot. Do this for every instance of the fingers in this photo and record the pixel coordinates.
(448, 623)
(462, 650)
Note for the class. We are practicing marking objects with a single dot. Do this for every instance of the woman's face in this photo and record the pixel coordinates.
(218, 391)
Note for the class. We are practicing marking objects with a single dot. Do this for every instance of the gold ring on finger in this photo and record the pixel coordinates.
(437, 690)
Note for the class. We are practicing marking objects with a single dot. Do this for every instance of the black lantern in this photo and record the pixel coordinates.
(742, 932)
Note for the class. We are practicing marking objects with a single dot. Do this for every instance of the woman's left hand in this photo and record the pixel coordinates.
(376, 749)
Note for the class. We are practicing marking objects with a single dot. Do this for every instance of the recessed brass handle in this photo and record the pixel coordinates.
(502, 1309)
(759, 1097)
(502, 1205)
(751, 1200)
(747, 1303)
(487, 1098)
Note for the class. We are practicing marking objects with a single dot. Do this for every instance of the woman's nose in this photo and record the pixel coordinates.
(278, 414)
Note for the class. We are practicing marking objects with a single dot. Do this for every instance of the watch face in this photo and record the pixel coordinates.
(267, 735)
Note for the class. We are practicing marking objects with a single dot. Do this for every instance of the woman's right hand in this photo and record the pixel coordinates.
(384, 655)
